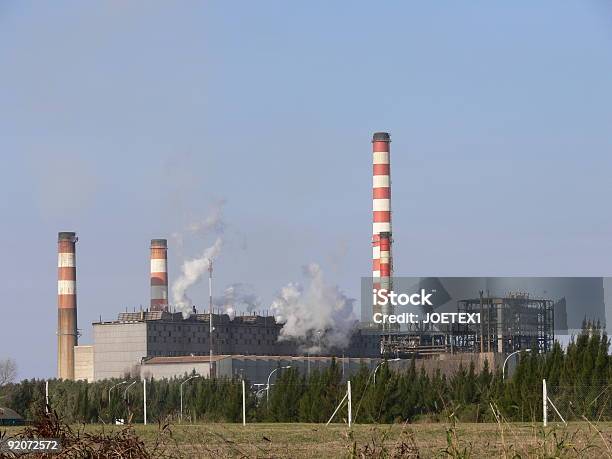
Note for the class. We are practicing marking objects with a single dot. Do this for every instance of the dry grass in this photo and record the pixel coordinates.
(318, 441)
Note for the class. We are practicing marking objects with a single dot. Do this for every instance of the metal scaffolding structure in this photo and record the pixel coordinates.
(507, 324)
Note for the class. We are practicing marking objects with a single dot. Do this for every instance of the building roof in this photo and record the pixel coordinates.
(321, 358)
(7, 413)
(177, 318)
(184, 359)
(216, 358)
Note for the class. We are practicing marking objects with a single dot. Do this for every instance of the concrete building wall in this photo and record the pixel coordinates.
(167, 338)
(118, 349)
(257, 369)
(449, 364)
(174, 370)
(119, 346)
(84, 363)
(168, 334)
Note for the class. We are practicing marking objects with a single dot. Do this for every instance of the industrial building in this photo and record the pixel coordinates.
(84, 363)
(507, 324)
(160, 343)
(120, 346)
(254, 368)
(10, 417)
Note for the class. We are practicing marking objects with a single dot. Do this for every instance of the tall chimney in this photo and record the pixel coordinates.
(382, 261)
(159, 275)
(66, 304)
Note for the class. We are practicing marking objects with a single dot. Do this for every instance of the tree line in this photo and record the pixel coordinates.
(578, 378)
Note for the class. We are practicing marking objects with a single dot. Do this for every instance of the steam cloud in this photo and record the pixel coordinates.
(212, 223)
(191, 273)
(319, 315)
(194, 269)
(316, 315)
(238, 297)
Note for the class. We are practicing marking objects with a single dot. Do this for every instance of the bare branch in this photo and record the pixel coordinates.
(8, 371)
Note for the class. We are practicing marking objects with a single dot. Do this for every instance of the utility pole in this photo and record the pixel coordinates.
(488, 321)
(144, 399)
(243, 404)
(210, 317)
(47, 396)
(481, 325)
(181, 392)
(350, 404)
(544, 404)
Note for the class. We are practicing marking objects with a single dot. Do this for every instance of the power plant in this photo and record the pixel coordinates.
(160, 341)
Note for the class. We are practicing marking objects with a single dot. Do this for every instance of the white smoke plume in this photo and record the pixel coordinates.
(193, 270)
(238, 297)
(213, 223)
(317, 314)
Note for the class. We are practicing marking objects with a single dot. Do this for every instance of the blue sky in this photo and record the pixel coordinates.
(125, 121)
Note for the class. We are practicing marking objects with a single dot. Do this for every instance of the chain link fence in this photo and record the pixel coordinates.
(592, 402)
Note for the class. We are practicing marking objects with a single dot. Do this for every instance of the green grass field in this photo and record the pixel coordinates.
(424, 440)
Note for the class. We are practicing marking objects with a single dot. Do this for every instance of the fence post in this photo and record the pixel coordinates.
(337, 408)
(350, 405)
(544, 404)
(47, 396)
(144, 399)
(243, 404)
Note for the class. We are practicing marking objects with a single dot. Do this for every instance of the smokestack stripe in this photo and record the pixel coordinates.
(66, 270)
(66, 260)
(385, 256)
(159, 275)
(381, 185)
(385, 273)
(66, 304)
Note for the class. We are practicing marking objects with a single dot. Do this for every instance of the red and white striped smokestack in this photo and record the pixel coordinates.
(159, 275)
(382, 261)
(67, 334)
